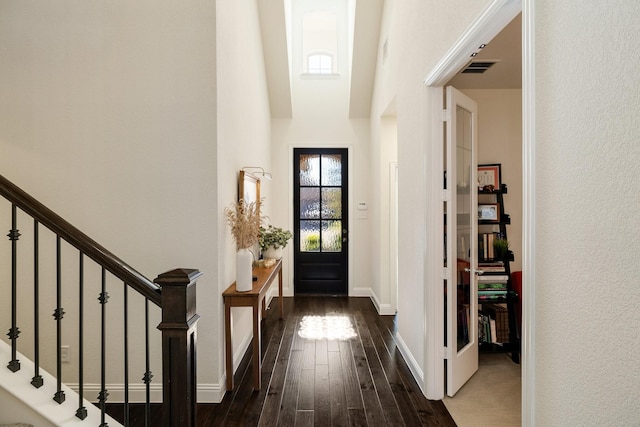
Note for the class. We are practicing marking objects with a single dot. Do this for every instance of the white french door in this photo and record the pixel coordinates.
(461, 292)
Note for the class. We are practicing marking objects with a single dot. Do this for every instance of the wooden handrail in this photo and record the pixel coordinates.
(79, 240)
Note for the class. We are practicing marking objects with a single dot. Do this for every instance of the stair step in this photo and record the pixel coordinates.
(17, 388)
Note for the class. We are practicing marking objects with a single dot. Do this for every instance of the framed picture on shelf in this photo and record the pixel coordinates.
(489, 177)
(489, 212)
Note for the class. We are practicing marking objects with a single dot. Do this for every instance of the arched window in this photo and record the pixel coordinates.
(320, 63)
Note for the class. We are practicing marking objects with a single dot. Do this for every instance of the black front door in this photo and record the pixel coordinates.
(320, 218)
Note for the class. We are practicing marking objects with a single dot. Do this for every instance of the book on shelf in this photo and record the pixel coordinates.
(492, 329)
(499, 313)
(492, 291)
(492, 286)
(492, 298)
(493, 278)
(486, 270)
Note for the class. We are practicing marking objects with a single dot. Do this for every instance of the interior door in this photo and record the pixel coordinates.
(461, 280)
(321, 221)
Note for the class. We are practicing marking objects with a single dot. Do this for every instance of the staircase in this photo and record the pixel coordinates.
(35, 267)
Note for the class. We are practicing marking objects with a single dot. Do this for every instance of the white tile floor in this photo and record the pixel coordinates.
(491, 397)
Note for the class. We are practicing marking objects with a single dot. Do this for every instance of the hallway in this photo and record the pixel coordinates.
(331, 361)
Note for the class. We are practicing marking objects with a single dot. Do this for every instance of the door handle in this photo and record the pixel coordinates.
(476, 272)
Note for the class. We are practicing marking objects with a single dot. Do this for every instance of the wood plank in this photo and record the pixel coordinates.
(357, 418)
(321, 352)
(373, 411)
(335, 364)
(271, 407)
(338, 401)
(322, 401)
(306, 389)
(309, 355)
(387, 354)
(304, 419)
(290, 396)
(352, 392)
(385, 395)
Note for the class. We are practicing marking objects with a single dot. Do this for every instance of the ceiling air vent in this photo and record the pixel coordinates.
(478, 67)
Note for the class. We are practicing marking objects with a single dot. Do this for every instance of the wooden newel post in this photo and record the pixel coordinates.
(179, 339)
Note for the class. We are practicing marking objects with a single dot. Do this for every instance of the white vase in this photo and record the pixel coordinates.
(244, 273)
(272, 252)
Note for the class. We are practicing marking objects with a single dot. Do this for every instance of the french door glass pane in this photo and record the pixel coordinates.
(331, 236)
(464, 188)
(332, 170)
(309, 236)
(309, 169)
(331, 203)
(310, 202)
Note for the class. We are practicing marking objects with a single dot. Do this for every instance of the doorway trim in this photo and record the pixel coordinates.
(491, 21)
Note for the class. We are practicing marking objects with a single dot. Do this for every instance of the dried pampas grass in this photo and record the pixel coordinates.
(244, 220)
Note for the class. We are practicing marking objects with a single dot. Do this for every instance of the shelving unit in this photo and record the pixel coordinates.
(496, 297)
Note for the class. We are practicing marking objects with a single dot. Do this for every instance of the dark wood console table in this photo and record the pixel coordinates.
(253, 298)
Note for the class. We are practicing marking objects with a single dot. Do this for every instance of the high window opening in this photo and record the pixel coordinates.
(320, 43)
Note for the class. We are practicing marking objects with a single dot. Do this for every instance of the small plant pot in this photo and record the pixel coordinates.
(271, 252)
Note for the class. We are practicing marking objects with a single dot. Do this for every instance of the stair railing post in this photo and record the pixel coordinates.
(178, 326)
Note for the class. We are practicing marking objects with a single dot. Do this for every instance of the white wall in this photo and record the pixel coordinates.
(411, 28)
(587, 235)
(500, 141)
(320, 119)
(384, 151)
(109, 116)
(244, 131)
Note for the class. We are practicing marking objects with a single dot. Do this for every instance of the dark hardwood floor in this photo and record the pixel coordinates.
(331, 362)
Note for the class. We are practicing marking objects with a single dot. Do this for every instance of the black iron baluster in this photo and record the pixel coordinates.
(58, 315)
(103, 395)
(37, 380)
(14, 332)
(82, 411)
(147, 375)
(126, 355)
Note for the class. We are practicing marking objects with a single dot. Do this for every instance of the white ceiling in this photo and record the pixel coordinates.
(505, 48)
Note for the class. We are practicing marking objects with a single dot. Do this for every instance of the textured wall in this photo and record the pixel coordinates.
(587, 236)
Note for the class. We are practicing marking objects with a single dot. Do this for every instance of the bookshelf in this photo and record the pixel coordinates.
(497, 326)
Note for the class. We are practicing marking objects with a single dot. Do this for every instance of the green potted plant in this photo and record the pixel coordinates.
(500, 248)
(272, 240)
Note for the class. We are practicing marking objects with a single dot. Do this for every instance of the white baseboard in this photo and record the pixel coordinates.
(413, 365)
(207, 393)
(383, 309)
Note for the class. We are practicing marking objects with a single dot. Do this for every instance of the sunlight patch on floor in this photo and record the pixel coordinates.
(326, 327)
